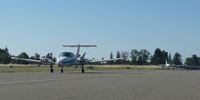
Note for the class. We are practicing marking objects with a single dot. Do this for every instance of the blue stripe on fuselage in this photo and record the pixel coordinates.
(69, 62)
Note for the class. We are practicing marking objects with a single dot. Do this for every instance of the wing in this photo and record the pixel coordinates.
(30, 60)
(107, 60)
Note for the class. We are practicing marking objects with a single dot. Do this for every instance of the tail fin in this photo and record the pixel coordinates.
(78, 47)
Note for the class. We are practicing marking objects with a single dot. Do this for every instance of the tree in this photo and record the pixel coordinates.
(134, 56)
(140, 61)
(1, 59)
(49, 56)
(6, 50)
(111, 57)
(37, 56)
(188, 61)
(23, 55)
(164, 57)
(32, 57)
(194, 60)
(143, 57)
(5, 56)
(54, 59)
(140, 57)
(157, 57)
(125, 56)
(170, 59)
(118, 56)
(177, 59)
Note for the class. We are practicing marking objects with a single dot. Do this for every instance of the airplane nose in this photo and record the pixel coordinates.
(60, 60)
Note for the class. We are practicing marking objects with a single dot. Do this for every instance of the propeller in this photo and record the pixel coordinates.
(80, 60)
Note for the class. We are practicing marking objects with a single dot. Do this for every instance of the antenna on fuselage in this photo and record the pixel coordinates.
(78, 47)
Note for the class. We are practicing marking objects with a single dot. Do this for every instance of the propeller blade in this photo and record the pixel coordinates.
(83, 55)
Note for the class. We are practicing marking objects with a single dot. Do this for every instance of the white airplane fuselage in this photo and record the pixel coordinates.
(67, 59)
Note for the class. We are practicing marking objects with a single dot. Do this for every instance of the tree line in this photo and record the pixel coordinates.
(135, 57)
(144, 57)
(159, 57)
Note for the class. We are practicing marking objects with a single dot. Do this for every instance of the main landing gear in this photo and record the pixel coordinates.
(62, 69)
(82, 68)
(51, 68)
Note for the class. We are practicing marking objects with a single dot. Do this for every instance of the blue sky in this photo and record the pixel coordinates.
(45, 25)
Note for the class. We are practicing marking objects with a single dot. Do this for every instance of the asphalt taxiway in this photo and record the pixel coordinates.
(101, 85)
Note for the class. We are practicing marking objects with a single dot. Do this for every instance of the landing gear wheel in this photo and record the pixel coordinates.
(62, 69)
(82, 69)
(51, 68)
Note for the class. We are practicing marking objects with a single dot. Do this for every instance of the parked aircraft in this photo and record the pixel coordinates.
(68, 59)
(173, 66)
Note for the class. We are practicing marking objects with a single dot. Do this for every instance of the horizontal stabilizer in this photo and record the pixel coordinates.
(79, 45)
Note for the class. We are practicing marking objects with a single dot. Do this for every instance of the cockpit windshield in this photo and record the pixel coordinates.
(66, 54)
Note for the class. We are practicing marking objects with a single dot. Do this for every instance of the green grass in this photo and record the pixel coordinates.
(35, 68)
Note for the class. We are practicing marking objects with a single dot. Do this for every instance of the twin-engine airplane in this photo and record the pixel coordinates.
(68, 59)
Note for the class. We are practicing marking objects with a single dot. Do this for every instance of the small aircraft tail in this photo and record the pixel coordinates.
(167, 64)
(78, 48)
